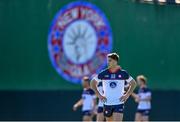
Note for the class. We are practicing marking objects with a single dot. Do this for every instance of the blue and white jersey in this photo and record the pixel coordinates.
(88, 96)
(100, 89)
(144, 93)
(113, 85)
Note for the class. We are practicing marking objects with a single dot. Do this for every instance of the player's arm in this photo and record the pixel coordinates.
(78, 104)
(94, 87)
(132, 86)
(94, 101)
(134, 95)
(94, 105)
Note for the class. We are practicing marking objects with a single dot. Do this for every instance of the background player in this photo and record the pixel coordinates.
(88, 101)
(100, 115)
(113, 79)
(143, 98)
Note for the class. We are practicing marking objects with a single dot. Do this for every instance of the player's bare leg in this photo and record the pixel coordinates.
(109, 119)
(87, 118)
(145, 118)
(138, 117)
(100, 117)
(117, 116)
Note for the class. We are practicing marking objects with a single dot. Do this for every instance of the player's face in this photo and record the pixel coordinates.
(111, 62)
(140, 82)
(85, 84)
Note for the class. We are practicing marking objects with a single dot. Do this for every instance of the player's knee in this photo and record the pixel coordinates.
(138, 117)
(117, 116)
(145, 118)
(100, 117)
(87, 118)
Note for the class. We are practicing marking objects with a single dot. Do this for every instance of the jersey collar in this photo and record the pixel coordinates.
(117, 69)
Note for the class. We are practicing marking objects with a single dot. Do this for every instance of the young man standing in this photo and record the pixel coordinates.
(113, 79)
(143, 98)
(88, 101)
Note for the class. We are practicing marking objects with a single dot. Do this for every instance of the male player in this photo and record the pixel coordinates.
(88, 101)
(113, 79)
(143, 98)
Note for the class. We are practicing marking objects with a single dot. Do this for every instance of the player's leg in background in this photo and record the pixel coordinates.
(145, 118)
(117, 116)
(138, 117)
(118, 112)
(109, 119)
(100, 117)
(87, 118)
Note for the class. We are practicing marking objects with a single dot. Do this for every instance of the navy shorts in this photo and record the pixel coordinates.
(144, 112)
(100, 110)
(87, 113)
(110, 109)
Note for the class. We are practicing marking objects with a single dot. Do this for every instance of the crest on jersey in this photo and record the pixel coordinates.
(113, 84)
(79, 40)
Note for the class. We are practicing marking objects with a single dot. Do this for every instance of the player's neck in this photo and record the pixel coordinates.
(88, 87)
(114, 68)
(143, 86)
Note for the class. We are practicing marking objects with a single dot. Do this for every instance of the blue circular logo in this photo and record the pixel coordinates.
(79, 40)
(113, 84)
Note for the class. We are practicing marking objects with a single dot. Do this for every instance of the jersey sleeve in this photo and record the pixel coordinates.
(129, 78)
(93, 94)
(148, 93)
(96, 78)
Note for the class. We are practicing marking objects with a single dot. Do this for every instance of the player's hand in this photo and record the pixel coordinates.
(75, 107)
(137, 99)
(124, 97)
(102, 98)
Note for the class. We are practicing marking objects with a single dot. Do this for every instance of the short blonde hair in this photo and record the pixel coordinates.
(86, 79)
